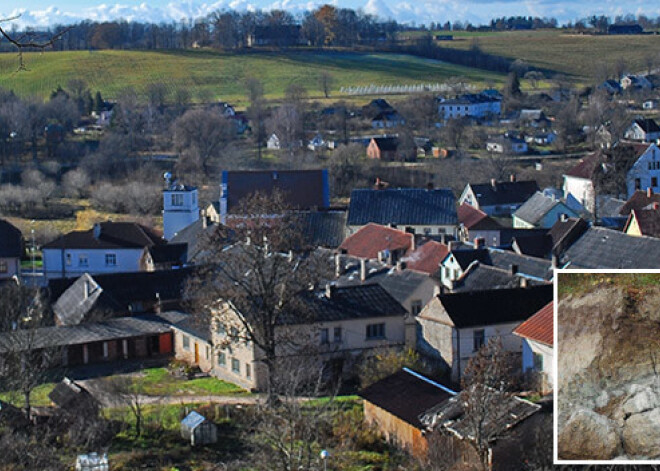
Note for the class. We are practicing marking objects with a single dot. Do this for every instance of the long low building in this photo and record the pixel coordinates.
(121, 338)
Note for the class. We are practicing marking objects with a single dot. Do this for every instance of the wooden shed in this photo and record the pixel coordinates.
(198, 429)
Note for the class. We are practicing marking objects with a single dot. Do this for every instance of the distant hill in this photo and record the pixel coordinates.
(222, 75)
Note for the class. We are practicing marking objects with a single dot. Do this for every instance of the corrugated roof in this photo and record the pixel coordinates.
(539, 327)
(405, 396)
(371, 239)
(402, 206)
(193, 420)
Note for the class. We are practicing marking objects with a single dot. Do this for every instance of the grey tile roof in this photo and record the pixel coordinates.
(605, 248)
(504, 193)
(11, 240)
(195, 236)
(402, 206)
(480, 277)
(530, 267)
(198, 326)
(118, 328)
(533, 210)
(324, 228)
(110, 235)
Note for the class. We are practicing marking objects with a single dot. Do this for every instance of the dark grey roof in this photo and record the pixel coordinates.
(530, 267)
(400, 284)
(647, 125)
(535, 208)
(171, 253)
(402, 206)
(465, 256)
(349, 302)
(450, 414)
(480, 277)
(503, 193)
(610, 207)
(195, 236)
(495, 306)
(11, 240)
(118, 328)
(324, 228)
(108, 235)
(79, 299)
(605, 248)
(197, 326)
(68, 393)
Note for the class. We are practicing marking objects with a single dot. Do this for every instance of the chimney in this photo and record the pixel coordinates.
(554, 260)
(158, 306)
(523, 282)
(363, 269)
(205, 221)
(339, 265)
(329, 290)
(87, 289)
(656, 205)
(378, 184)
(493, 183)
(429, 186)
(400, 266)
(443, 238)
(514, 270)
(97, 230)
(512, 178)
(479, 242)
(452, 245)
(563, 217)
(649, 192)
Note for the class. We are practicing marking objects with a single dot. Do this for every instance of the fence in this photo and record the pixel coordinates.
(403, 89)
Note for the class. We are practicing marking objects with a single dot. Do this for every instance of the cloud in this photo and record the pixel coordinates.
(378, 8)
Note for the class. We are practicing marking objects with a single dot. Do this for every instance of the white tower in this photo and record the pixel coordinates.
(180, 207)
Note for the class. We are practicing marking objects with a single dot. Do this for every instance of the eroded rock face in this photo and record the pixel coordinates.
(641, 434)
(589, 436)
(609, 375)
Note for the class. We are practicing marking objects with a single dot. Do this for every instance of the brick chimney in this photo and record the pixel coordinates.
(329, 290)
(479, 242)
(513, 269)
(363, 270)
(339, 265)
(656, 205)
(649, 192)
(493, 183)
(512, 178)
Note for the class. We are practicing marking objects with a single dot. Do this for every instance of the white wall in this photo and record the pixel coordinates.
(128, 260)
(529, 348)
(582, 190)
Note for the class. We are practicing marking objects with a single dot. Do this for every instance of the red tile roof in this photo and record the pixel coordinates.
(470, 217)
(586, 167)
(540, 326)
(427, 258)
(374, 238)
(639, 200)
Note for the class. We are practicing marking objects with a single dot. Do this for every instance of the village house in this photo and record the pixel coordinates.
(453, 327)
(11, 250)
(506, 144)
(340, 323)
(644, 130)
(578, 181)
(541, 211)
(387, 119)
(498, 198)
(645, 172)
(414, 210)
(109, 247)
(644, 222)
(377, 242)
(537, 333)
(180, 208)
(469, 106)
(635, 82)
(387, 148)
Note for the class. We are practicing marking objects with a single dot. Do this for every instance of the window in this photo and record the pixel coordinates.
(233, 332)
(654, 181)
(186, 342)
(479, 339)
(222, 359)
(375, 331)
(83, 261)
(68, 259)
(324, 336)
(416, 307)
(222, 330)
(538, 361)
(208, 352)
(235, 365)
(177, 199)
(337, 335)
(110, 259)
(427, 231)
(4, 268)
(248, 371)
(638, 184)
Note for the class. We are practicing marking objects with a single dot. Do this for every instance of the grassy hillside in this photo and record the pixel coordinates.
(221, 75)
(578, 56)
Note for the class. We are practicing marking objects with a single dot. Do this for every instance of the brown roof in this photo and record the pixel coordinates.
(374, 238)
(586, 167)
(427, 258)
(405, 395)
(472, 218)
(639, 200)
(540, 326)
(109, 235)
(648, 221)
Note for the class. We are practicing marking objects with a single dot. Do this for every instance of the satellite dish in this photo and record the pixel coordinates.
(167, 176)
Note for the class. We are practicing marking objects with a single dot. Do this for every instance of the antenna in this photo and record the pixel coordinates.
(168, 178)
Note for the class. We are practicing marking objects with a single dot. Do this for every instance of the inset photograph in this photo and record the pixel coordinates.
(608, 367)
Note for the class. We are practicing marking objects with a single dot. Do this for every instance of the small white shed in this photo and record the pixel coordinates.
(198, 429)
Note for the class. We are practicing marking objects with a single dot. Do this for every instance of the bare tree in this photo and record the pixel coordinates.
(287, 123)
(251, 287)
(326, 82)
(75, 182)
(454, 133)
(127, 391)
(256, 111)
(29, 40)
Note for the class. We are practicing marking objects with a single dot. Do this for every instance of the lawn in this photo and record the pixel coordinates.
(222, 75)
(158, 382)
(577, 56)
(580, 283)
(39, 396)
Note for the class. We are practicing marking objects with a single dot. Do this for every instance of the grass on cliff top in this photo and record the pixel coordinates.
(580, 283)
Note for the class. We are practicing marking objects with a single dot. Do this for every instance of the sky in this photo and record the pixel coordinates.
(51, 12)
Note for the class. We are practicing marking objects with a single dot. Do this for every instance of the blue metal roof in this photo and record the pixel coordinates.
(193, 420)
(402, 206)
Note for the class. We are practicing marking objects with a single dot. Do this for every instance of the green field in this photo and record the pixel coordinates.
(222, 75)
(577, 56)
